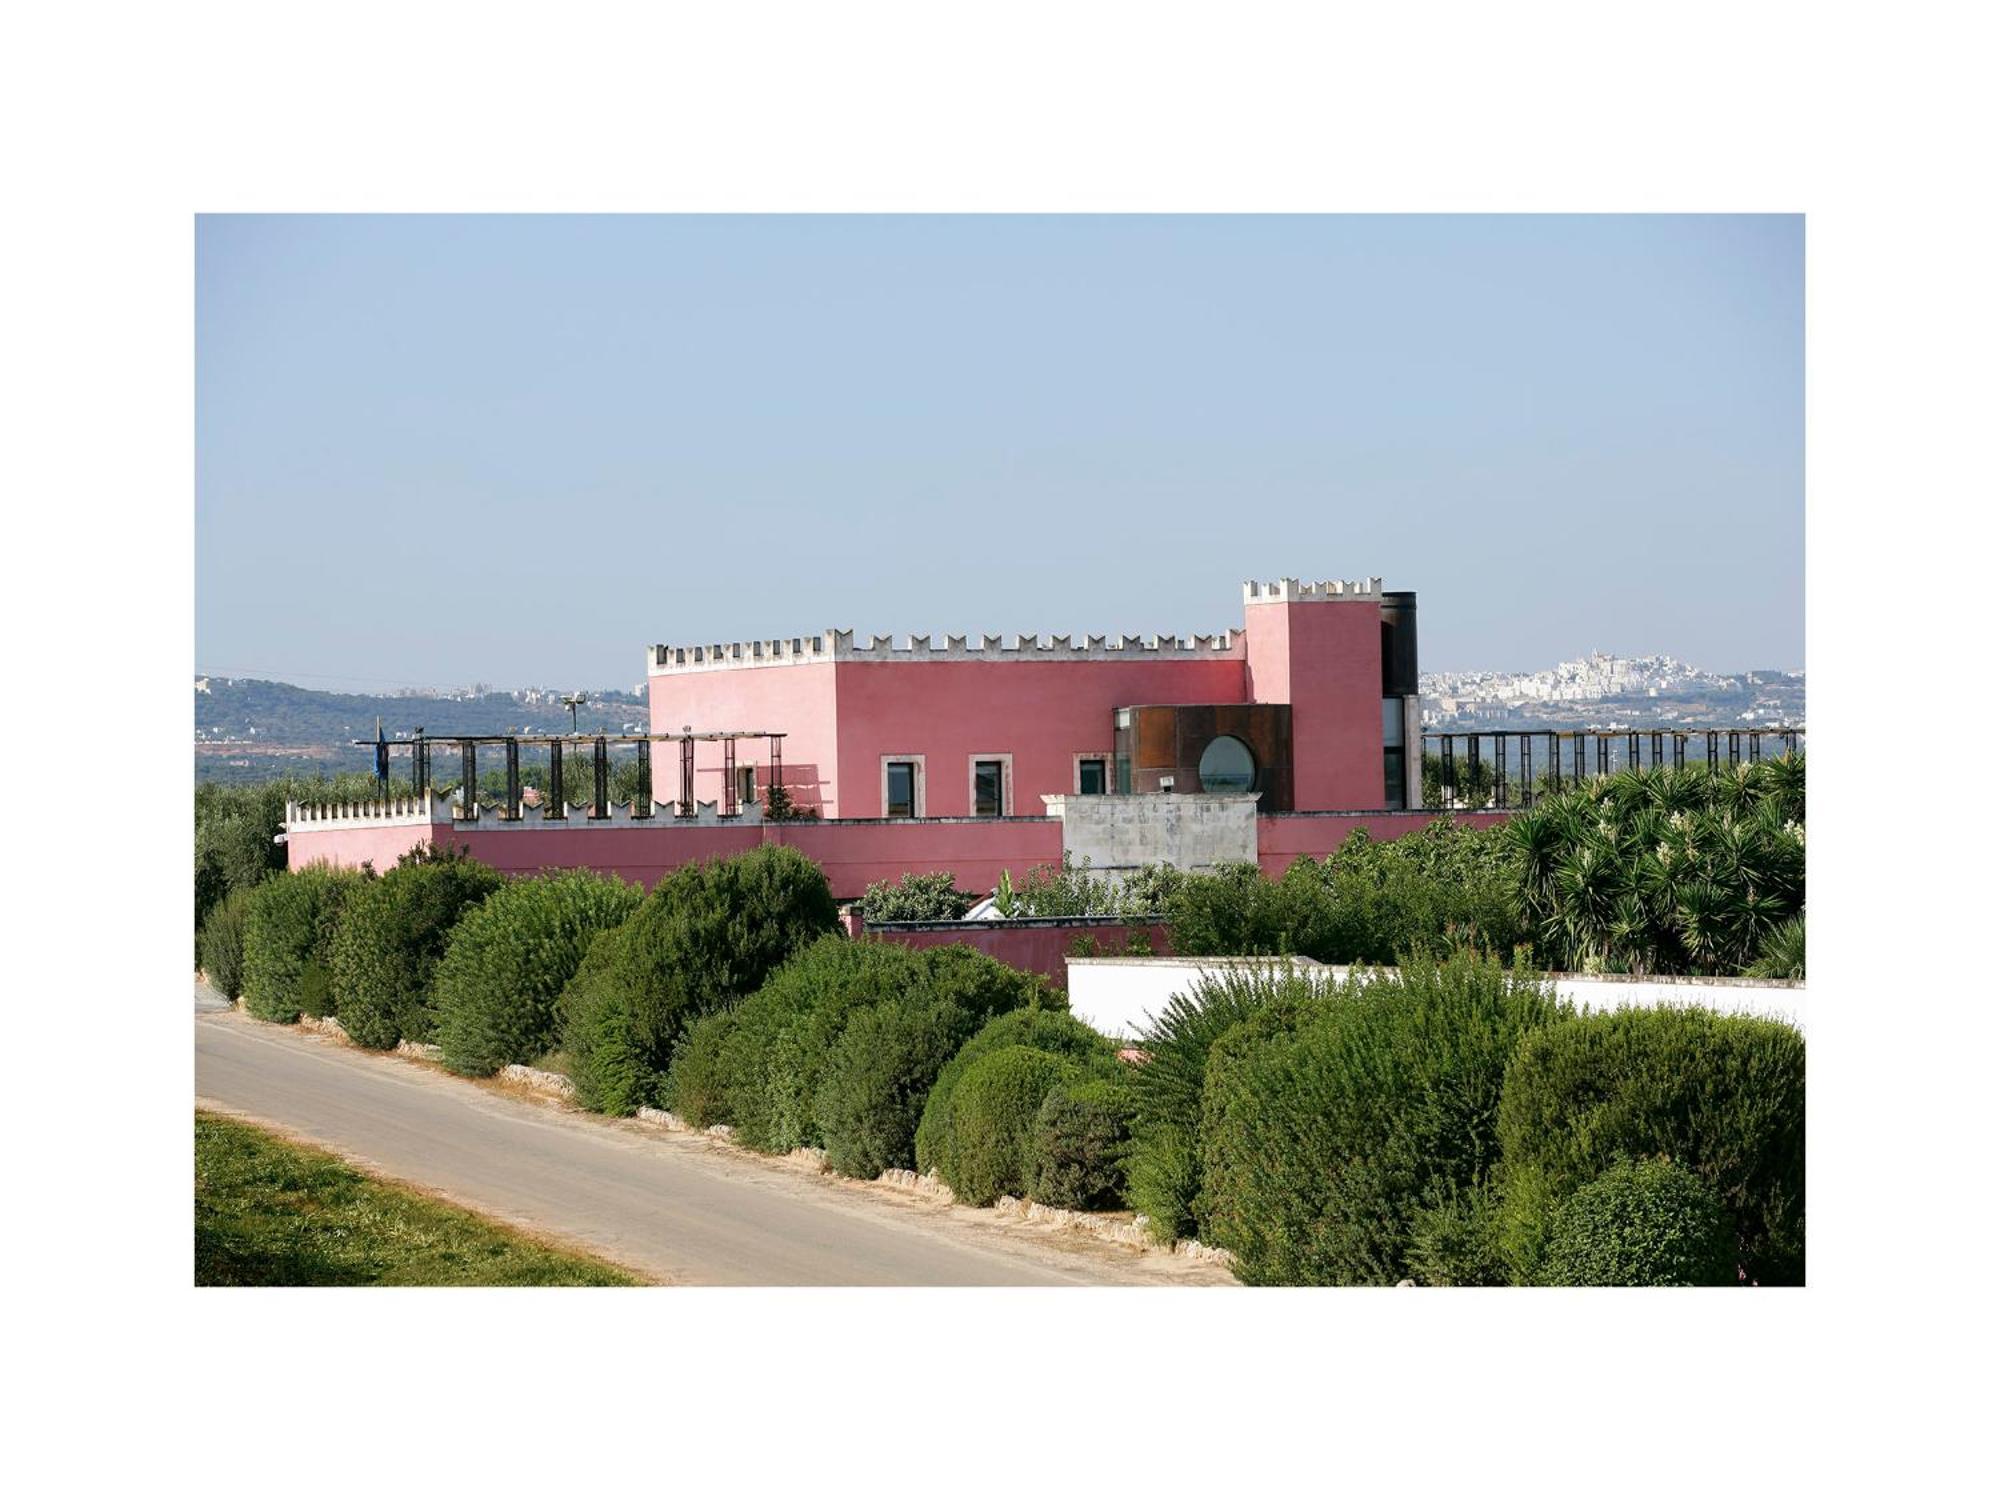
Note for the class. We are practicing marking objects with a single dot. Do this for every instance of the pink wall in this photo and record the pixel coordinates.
(1282, 838)
(796, 699)
(1325, 659)
(1039, 949)
(1042, 713)
(350, 848)
(855, 855)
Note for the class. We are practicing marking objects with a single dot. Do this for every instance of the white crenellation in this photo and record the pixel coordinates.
(841, 646)
(443, 812)
(1332, 590)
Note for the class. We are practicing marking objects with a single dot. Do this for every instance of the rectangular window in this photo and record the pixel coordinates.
(746, 785)
(1090, 778)
(986, 789)
(1124, 775)
(902, 789)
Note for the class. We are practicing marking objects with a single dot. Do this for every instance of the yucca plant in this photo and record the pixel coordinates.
(1656, 870)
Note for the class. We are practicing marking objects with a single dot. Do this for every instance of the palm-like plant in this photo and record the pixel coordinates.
(1660, 869)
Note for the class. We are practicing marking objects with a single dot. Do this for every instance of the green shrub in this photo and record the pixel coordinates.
(988, 1148)
(916, 898)
(707, 935)
(1381, 1103)
(316, 989)
(697, 1082)
(779, 1037)
(878, 1075)
(612, 1073)
(221, 943)
(1167, 1091)
(1724, 1096)
(1430, 892)
(288, 935)
(1077, 1150)
(1186, 1186)
(496, 987)
(984, 987)
(784, 1075)
(389, 937)
(1455, 1238)
(1643, 1223)
(1045, 1030)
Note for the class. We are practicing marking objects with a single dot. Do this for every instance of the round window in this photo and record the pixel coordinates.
(1228, 766)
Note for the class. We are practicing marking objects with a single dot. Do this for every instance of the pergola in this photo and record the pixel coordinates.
(419, 745)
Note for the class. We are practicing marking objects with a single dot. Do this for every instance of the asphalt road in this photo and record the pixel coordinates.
(678, 1207)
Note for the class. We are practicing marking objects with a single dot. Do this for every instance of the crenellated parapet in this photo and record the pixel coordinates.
(433, 809)
(390, 812)
(1332, 590)
(842, 646)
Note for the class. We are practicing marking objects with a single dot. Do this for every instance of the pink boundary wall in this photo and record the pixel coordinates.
(1039, 948)
(853, 853)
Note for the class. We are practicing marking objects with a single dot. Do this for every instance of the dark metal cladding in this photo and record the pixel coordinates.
(600, 799)
(1399, 644)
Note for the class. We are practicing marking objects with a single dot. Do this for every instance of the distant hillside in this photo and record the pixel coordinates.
(246, 729)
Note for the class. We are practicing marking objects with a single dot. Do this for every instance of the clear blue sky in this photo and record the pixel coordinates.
(439, 450)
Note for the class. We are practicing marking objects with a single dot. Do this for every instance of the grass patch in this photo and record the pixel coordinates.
(271, 1213)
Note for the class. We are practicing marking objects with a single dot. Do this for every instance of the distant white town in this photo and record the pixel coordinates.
(1604, 691)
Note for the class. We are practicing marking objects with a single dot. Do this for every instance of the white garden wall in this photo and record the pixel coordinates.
(1118, 995)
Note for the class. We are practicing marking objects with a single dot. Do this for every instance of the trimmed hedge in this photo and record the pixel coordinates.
(1052, 1031)
(1724, 1096)
(1382, 1102)
(877, 1078)
(389, 938)
(220, 942)
(611, 1072)
(780, 1067)
(778, 1039)
(288, 941)
(988, 1145)
(496, 988)
(707, 935)
(1078, 1146)
(1643, 1223)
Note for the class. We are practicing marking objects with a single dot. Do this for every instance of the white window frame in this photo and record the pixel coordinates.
(917, 791)
(1006, 760)
(1076, 770)
(746, 772)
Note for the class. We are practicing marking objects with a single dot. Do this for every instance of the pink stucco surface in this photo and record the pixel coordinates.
(1037, 948)
(799, 700)
(1282, 838)
(854, 855)
(1043, 714)
(1325, 659)
(350, 848)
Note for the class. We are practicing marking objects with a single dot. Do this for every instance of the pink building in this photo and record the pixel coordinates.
(1309, 704)
(1264, 743)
